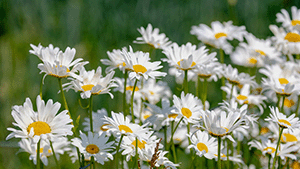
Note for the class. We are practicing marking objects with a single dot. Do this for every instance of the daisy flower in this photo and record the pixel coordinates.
(290, 122)
(188, 107)
(99, 124)
(286, 21)
(43, 124)
(288, 136)
(203, 144)
(57, 63)
(286, 42)
(211, 71)
(140, 66)
(116, 60)
(138, 95)
(236, 78)
(119, 124)
(218, 34)
(94, 145)
(91, 83)
(153, 92)
(187, 57)
(152, 37)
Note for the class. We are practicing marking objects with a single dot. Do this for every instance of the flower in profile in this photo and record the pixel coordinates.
(152, 37)
(282, 120)
(154, 91)
(99, 124)
(236, 78)
(94, 145)
(211, 71)
(188, 106)
(116, 60)
(187, 57)
(286, 21)
(204, 144)
(218, 34)
(57, 63)
(43, 124)
(92, 83)
(129, 88)
(140, 66)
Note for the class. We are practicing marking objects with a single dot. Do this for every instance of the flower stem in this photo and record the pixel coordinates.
(172, 143)
(185, 82)
(269, 162)
(219, 153)
(231, 91)
(132, 115)
(91, 113)
(41, 89)
(93, 162)
(117, 150)
(124, 94)
(198, 87)
(282, 106)
(166, 139)
(54, 155)
(223, 78)
(280, 133)
(298, 105)
(38, 161)
(204, 93)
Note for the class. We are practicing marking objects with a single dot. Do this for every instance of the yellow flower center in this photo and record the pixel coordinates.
(173, 115)
(283, 81)
(288, 103)
(123, 64)
(92, 149)
(295, 22)
(125, 128)
(252, 60)
(269, 148)
(264, 130)
(186, 112)
(260, 52)
(152, 93)
(146, 116)
(288, 138)
(193, 63)
(87, 87)
(103, 128)
(226, 129)
(41, 150)
(292, 37)
(202, 146)
(139, 68)
(220, 34)
(295, 165)
(222, 155)
(241, 97)
(39, 127)
(131, 88)
(285, 122)
(141, 145)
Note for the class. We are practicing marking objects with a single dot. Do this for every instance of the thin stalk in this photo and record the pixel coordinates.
(185, 82)
(38, 161)
(269, 162)
(223, 78)
(278, 100)
(231, 91)
(228, 147)
(287, 164)
(219, 153)
(136, 153)
(298, 105)
(91, 113)
(93, 162)
(198, 87)
(204, 93)
(63, 95)
(282, 105)
(54, 155)
(117, 150)
(132, 115)
(280, 133)
(188, 131)
(172, 143)
(165, 136)
(41, 89)
(124, 94)
(79, 158)
(177, 126)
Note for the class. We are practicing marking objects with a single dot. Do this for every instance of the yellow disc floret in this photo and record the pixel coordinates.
(141, 145)
(295, 22)
(186, 112)
(221, 34)
(292, 37)
(125, 128)
(202, 146)
(139, 68)
(39, 127)
(283, 81)
(92, 149)
(87, 87)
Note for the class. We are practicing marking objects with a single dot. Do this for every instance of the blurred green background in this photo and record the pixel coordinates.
(93, 28)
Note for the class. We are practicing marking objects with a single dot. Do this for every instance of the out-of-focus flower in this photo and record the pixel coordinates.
(286, 21)
(116, 60)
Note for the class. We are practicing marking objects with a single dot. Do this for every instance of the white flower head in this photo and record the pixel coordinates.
(286, 21)
(99, 124)
(236, 78)
(92, 83)
(116, 60)
(140, 66)
(44, 124)
(94, 145)
(152, 37)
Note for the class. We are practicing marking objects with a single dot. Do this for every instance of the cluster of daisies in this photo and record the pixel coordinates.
(155, 123)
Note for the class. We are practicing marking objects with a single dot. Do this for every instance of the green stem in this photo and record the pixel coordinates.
(204, 93)
(54, 155)
(298, 105)
(287, 164)
(136, 153)
(228, 147)
(132, 115)
(93, 162)
(166, 139)
(124, 94)
(219, 153)
(91, 113)
(188, 131)
(185, 82)
(198, 94)
(63, 95)
(41, 89)
(172, 143)
(231, 91)
(269, 162)
(280, 133)
(38, 161)
(177, 126)
(117, 150)
(282, 106)
(223, 78)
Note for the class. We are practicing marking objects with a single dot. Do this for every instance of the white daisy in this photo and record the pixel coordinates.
(153, 92)
(204, 144)
(116, 60)
(57, 63)
(211, 71)
(152, 37)
(98, 122)
(236, 78)
(218, 35)
(91, 83)
(140, 65)
(286, 21)
(138, 95)
(288, 136)
(290, 122)
(188, 107)
(43, 124)
(94, 145)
